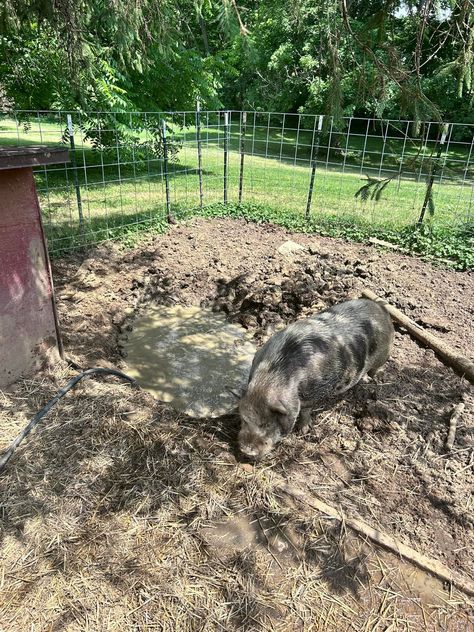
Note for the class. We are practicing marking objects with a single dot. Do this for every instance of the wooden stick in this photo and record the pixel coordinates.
(463, 366)
(453, 422)
(434, 567)
(387, 244)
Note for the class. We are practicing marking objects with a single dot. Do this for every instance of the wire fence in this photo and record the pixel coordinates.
(132, 170)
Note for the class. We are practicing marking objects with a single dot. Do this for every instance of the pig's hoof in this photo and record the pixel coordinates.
(305, 429)
(373, 373)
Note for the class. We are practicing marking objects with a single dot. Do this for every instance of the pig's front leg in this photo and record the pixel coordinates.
(304, 420)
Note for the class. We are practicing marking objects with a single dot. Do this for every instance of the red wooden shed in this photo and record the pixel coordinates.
(29, 330)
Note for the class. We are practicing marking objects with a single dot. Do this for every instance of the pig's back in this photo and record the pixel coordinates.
(327, 353)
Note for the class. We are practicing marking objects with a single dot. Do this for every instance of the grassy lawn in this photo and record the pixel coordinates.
(124, 186)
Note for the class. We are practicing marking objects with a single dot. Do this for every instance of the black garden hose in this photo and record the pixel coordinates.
(6, 456)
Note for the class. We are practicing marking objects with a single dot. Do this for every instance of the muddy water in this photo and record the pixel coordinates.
(187, 356)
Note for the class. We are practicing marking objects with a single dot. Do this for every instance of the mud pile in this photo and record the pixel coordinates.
(270, 298)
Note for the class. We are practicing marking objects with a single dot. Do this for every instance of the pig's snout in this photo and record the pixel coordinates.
(253, 446)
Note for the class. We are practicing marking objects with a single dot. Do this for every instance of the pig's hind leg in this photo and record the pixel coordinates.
(379, 361)
(383, 345)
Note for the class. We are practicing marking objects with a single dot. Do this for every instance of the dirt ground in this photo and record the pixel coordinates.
(119, 513)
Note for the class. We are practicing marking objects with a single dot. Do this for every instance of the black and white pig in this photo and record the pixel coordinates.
(309, 361)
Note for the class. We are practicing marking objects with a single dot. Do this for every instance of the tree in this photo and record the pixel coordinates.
(107, 54)
(341, 57)
(366, 57)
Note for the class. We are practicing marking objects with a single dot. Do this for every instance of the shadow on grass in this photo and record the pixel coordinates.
(290, 147)
(64, 237)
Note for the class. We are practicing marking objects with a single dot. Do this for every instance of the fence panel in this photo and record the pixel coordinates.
(387, 173)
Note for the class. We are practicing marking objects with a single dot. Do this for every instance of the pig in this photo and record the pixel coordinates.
(308, 362)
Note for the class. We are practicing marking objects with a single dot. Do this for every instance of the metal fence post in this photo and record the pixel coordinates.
(243, 127)
(199, 151)
(167, 177)
(226, 153)
(72, 144)
(428, 201)
(314, 157)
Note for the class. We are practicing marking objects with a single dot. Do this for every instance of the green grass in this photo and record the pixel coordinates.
(123, 191)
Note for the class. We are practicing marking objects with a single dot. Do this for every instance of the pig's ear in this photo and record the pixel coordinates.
(238, 394)
(282, 416)
(277, 406)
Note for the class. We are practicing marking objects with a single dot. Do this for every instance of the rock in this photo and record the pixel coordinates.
(248, 321)
(361, 272)
(247, 467)
(290, 247)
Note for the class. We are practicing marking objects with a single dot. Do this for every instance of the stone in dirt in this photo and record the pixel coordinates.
(187, 356)
(428, 319)
(290, 248)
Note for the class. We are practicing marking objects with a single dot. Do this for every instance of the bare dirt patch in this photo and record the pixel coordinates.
(120, 513)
